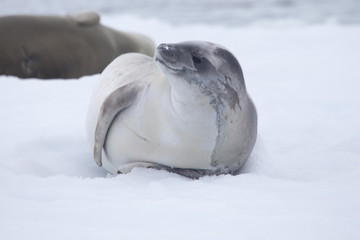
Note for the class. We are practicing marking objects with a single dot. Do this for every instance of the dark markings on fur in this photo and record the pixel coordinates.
(231, 63)
(231, 96)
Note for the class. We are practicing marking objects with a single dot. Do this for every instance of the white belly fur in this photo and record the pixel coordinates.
(150, 131)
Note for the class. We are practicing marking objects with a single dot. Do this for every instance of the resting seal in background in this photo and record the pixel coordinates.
(187, 111)
(63, 47)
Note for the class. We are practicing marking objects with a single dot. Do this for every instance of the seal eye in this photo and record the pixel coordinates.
(196, 60)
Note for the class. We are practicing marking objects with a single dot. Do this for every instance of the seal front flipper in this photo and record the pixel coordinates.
(116, 102)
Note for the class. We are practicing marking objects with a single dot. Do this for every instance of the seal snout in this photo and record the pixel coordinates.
(174, 56)
(166, 52)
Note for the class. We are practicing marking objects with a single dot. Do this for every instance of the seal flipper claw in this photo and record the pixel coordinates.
(116, 102)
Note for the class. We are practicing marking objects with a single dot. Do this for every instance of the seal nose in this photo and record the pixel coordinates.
(164, 47)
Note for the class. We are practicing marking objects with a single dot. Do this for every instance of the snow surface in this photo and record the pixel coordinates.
(224, 12)
(302, 181)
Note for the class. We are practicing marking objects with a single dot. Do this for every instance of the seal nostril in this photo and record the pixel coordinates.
(163, 46)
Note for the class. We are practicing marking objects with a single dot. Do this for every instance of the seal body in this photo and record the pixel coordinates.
(188, 112)
(63, 47)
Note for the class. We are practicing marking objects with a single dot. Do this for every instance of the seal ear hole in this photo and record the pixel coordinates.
(196, 59)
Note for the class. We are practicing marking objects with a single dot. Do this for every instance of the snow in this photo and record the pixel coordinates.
(302, 181)
(226, 12)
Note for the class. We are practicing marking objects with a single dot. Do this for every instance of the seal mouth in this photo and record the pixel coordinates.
(164, 63)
